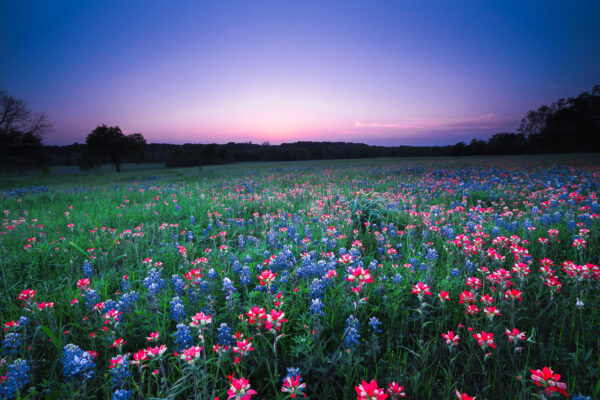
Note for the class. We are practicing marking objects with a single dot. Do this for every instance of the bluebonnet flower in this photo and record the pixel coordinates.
(77, 364)
(15, 380)
(556, 217)
(224, 334)
(119, 370)
(241, 242)
(316, 307)
(121, 394)
(351, 329)
(154, 283)
(177, 309)
(127, 301)
(546, 220)
(245, 277)
(374, 323)
(23, 321)
(212, 274)
(190, 236)
(87, 269)
(91, 298)
(495, 231)
(431, 255)
(292, 371)
(110, 304)
(125, 286)
(228, 287)
(470, 266)
(317, 288)
(192, 220)
(581, 397)
(397, 278)
(11, 343)
(454, 272)
(183, 337)
(178, 285)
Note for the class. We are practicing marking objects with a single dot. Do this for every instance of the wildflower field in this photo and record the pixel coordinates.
(431, 279)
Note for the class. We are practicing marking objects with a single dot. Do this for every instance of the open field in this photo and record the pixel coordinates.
(438, 274)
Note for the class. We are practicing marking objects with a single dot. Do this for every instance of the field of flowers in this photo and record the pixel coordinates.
(424, 281)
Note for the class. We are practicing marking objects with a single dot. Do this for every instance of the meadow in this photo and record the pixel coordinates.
(369, 279)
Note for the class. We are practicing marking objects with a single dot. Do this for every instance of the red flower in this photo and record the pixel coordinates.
(395, 391)
(266, 277)
(444, 296)
(451, 338)
(485, 339)
(421, 289)
(240, 389)
(369, 391)
(466, 296)
(549, 380)
(513, 294)
(464, 396)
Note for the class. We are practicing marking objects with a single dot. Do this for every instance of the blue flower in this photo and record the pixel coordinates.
(183, 337)
(245, 277)
(119, 371)
(177, 309)
(374, 323)
(121, 394)
(11, 343)
(224, 334)
(316, 307)
(178, 285)
(77, 364)
(351, 329)
(228, 287)
(87, 269)
(16, 379)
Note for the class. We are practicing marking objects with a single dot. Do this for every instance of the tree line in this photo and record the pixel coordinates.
(567, 125)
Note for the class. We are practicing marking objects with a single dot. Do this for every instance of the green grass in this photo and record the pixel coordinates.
(406, 206)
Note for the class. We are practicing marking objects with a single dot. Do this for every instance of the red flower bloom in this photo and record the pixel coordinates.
(369, 391)
(464, 396)
(451, 338)
(549, 380)
(421, 289)
(485, 339)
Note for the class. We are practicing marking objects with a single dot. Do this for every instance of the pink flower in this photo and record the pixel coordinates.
(421, 289)
(485, 339)
(292, 385)
(369, 391)
(191, 354)
(266, 277)
(451, 338)
(395, 391)
(240, 389)
(549, 380)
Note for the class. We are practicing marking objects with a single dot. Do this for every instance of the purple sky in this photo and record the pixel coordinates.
(378, 72)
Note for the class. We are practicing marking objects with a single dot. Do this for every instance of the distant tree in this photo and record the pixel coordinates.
(21, 132)
(534, 121)
(109, 145)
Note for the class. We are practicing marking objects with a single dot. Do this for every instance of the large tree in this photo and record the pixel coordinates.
(108, 144)
(21, 132)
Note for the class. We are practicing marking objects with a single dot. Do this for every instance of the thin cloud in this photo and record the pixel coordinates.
(485, 121)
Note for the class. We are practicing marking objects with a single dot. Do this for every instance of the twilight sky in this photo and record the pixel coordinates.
(379, 72)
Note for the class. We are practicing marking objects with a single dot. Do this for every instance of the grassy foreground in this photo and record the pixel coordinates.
(371, 278)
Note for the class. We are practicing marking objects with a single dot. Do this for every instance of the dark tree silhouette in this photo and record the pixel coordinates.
(109, 145)
(21, 132)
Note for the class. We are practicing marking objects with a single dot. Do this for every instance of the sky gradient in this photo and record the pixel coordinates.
(377, 72)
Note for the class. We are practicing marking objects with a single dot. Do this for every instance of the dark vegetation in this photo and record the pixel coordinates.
(566, 126)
